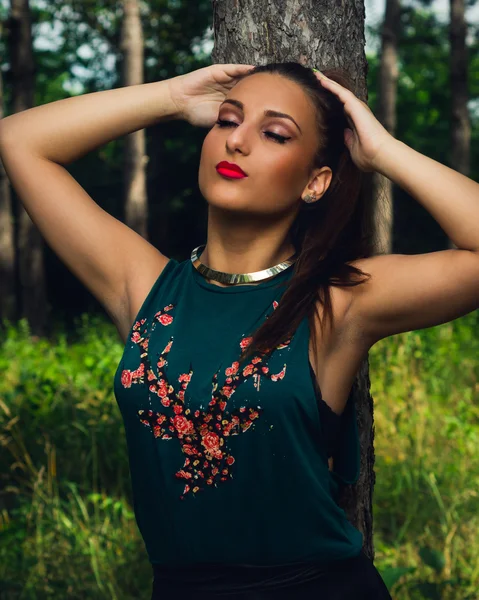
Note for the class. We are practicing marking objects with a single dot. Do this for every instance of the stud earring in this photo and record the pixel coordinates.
(309, 198)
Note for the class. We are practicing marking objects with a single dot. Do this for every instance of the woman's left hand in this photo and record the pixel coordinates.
(367, 136)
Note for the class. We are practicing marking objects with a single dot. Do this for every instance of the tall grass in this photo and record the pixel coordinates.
(66, 524)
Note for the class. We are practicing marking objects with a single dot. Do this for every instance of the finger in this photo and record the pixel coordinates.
(342, 93)
(236, 68)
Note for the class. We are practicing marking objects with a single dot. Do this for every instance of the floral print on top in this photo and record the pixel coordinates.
(203, 434)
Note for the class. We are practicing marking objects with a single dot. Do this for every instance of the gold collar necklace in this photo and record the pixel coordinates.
(238, 278)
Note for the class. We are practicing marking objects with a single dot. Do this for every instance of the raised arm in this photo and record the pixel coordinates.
(99, 249)
(405, 292)
(116, 264)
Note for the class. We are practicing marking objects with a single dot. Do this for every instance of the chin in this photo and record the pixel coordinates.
(221, 194)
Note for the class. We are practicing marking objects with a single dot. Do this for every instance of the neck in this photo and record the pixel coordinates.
(236, 244)
(229, 262)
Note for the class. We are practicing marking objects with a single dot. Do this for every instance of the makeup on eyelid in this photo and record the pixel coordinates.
(281, 139)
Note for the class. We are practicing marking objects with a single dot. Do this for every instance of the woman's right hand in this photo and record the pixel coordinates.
(198, 94)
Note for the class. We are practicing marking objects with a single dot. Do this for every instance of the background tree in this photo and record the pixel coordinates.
(30, 245)
(460, 122)
(7, 242)
(135, 159)
(272, 35)
(386, 114)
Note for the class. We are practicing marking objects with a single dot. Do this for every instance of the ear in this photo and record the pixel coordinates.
(319, 183)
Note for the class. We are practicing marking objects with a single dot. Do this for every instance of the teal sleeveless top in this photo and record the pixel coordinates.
(230, 465)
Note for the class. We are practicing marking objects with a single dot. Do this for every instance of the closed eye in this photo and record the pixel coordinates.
(281, 139)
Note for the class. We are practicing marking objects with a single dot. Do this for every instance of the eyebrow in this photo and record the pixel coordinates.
(267, 113)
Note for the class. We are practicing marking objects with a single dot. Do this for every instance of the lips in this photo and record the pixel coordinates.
(230, 170)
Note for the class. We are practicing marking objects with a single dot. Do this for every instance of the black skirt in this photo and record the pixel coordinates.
(351, 579)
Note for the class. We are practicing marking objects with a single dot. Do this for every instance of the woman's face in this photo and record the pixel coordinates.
(276, 168)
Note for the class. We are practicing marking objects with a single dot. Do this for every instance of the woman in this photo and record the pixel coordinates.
(238, 362)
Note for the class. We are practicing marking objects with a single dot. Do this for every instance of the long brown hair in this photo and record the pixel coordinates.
(328, 233)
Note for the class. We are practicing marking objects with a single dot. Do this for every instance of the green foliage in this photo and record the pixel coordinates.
(423, 104)
(66, 513)
(424, 384)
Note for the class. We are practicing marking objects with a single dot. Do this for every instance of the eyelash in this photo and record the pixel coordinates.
(277, 138)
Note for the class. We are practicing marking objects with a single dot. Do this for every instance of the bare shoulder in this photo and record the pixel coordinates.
(141, 277)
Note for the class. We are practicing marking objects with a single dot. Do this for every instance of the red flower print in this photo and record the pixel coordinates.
(203, 434)
(245, 342)
(280, 375)
(233, 369)
(227, 391)
(126, 378)
(248, 370)
(211, 442)
(165, 319)
(182, 425)
(139, 372)
(162, 391)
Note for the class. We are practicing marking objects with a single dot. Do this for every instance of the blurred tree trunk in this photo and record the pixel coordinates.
(7, 237)
(135, 159)
(386, 114)
(30, 241)
(460, 122)
(325, 34)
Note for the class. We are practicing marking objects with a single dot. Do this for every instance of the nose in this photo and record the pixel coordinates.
(237, 140)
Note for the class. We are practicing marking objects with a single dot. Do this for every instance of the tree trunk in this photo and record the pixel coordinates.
(30, 241)
(324, 33)
(135, 159)
(7, 241)
(460, 122)
(386, 114)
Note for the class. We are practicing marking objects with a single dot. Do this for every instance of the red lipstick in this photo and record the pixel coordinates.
(230, 170)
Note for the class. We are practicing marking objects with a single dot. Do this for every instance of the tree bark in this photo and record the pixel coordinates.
(386, 114)
(460, 121)
(321, 33)
(7, 238)
(30, 242)
(135, 158)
